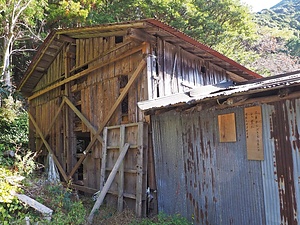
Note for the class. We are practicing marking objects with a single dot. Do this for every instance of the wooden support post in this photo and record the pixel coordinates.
(68, 121)
(121, 171)
(139, 169)
(103, 159)
(108, 183)
(61, 170)
(138, 70)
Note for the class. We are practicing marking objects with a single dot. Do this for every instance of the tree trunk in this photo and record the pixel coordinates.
(7, 48)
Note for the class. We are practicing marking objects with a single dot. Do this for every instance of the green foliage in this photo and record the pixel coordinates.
(69, 13)
(66, 209)
(163, 219)
(210, 22)
(13, 125)
(218, 24)
(10, 207)
(20, 23)
(25, 163)
(293, 46)
(30, 12)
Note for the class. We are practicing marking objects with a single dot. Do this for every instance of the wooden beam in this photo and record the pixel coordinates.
(69, 144)
(81, 188)
(103, 159)
(50, 127)
(101, 55)
(121, 171)
(83, 119)
(87, 71)
(108, 183)
(135, 74)
(61, 170)
(140, 168)
(141, 35)
(47, 212)
(65, 38)
(102, 28)
(104, 34)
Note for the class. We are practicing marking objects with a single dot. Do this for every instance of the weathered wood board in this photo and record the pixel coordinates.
(126, 190)
(253, 126)
(227, 128)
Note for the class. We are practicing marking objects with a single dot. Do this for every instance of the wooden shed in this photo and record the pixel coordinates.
(83, 86)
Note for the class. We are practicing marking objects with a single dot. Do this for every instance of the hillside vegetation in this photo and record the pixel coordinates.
(278, 43)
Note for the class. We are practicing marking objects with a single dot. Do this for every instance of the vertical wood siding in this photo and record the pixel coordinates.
(175, 65)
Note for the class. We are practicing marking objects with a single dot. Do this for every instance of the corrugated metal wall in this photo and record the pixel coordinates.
(214, 183)
(281, 167)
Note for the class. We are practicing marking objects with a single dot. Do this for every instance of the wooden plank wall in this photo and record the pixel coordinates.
(54, 73)
(97, 92)
(44, 108)
(43, 114)
(176, 65)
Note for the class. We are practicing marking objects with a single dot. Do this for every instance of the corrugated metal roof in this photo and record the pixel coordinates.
(211, 92)
(56, 39)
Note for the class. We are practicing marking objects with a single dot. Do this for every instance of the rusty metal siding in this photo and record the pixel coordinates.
(240, 180)
(199, 168)
(218, 185)
(214, 183)
(281, 138)
(270, 187)
(168, 165)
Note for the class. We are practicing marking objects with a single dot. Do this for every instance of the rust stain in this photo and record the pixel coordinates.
(284, 163)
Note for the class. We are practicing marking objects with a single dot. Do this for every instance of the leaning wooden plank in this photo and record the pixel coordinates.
(61, 170)
(87, 71)
(47, 212)
(108, 183)
(138, 70)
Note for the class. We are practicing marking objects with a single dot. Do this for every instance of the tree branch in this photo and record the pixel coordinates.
(30, 31)
(14, 20)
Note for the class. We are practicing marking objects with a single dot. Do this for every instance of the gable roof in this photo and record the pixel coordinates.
(57, 38)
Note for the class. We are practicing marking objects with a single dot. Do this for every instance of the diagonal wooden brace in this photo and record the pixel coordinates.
(83, 119)
(61, 170)
(132, 79)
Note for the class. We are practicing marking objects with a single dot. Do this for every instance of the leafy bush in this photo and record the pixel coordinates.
(66, 209)
(10, 207)
(13, 124)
